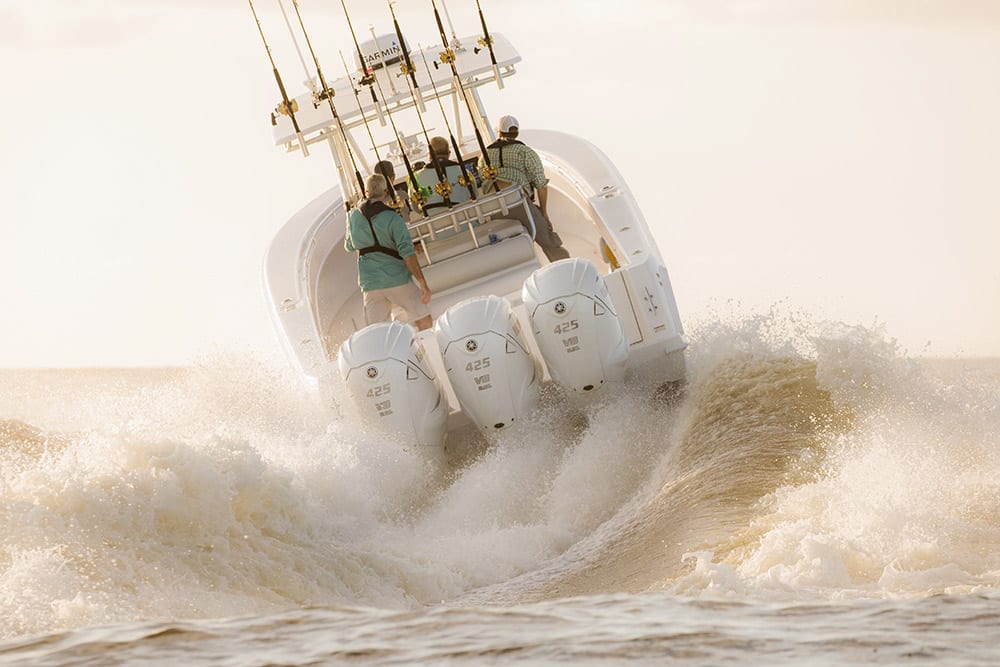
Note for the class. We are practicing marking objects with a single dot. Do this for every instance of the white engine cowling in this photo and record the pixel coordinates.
(578, 332)
(391, 385)
(491, 371)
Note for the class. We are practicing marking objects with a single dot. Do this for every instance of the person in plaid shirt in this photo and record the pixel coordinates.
(518, 163)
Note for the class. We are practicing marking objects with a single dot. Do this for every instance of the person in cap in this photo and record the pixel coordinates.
(440, 152)
(386, 169)
(517, 163)
(386, 260)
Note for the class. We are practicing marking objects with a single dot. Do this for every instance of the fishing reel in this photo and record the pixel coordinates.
(287, 108)
(485, 42)
(320, 95)
(443, 188)
(489, 172)
(419, 197)
(447, 56)
(406, 69)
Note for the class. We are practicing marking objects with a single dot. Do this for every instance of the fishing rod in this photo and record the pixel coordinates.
(368, 74)
(407, 67)
(448, 56)
(451, 135)
(287, 107)
(417, 196)
(378, 158)
(443, 187)
(486, 41)
(328, 94)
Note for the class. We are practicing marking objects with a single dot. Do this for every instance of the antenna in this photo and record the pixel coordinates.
(295, 41)
(381, 58)
(455, 44)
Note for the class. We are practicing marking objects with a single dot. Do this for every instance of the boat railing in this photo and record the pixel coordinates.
(489, 238)
(467, 225)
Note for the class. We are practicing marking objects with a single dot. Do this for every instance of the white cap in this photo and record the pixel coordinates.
(507, 123)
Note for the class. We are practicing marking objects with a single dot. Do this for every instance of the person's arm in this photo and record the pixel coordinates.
(404, 245)
(536, 176)
(348, 241)
(414, 266)
(543, 200)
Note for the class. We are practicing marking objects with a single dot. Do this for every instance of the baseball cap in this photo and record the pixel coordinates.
(507, 123)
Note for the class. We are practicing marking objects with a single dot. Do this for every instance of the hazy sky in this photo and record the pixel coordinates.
(837, 157)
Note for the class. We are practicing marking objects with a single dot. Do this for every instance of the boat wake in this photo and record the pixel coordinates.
(802, 462)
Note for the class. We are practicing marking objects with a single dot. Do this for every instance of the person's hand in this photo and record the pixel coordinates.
(425, 294)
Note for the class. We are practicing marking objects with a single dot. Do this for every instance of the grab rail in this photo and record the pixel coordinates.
(469, 216)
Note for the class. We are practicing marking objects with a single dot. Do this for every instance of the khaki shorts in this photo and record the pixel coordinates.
(379, 303)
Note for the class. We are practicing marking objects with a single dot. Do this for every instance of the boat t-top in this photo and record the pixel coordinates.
(506, 319)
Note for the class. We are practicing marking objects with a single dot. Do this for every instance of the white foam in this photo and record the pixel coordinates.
(222, 491)
(906, 502)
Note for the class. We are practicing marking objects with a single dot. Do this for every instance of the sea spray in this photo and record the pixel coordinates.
(803, 462)
(904, 502)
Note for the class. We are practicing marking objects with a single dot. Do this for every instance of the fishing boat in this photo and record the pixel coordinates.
(507, 321)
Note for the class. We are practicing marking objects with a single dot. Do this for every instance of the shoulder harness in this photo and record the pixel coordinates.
(369, 210)
(500, 143)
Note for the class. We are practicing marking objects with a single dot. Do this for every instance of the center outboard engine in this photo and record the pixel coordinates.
(578, 332)
(494, 376)
(391, 385)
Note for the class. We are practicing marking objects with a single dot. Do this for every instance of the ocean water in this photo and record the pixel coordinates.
(816, 497)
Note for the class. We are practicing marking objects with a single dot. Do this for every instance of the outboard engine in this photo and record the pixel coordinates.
(578, 332)
(494, 376)
(393, 388)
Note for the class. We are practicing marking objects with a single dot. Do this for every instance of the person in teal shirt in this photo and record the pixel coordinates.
(386, 259)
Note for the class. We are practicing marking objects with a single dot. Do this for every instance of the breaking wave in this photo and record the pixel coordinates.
(803, 462)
